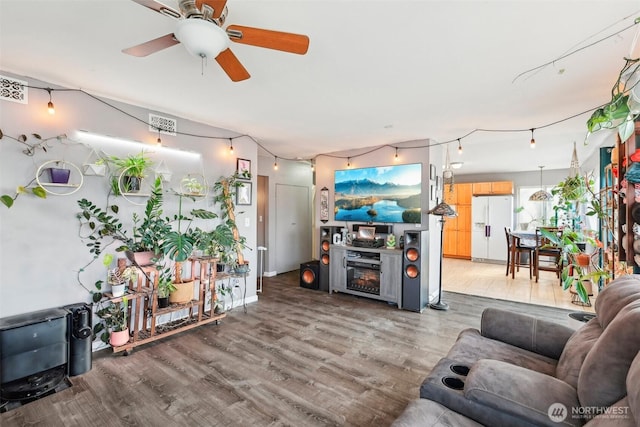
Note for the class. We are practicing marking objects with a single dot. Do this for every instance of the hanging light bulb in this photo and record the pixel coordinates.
(159, 141)
(459, 146)
(396, 157)
(533, 141)
(313, 165)
(230, 146)
(348, 162)
(275, 164)
(50, 106)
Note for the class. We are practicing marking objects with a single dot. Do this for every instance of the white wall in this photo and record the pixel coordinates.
(289, 172)
(41, 254)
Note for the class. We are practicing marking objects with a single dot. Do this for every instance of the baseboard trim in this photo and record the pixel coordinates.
(270, 273)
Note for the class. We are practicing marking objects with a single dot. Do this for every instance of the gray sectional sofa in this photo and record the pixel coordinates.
(518, 370)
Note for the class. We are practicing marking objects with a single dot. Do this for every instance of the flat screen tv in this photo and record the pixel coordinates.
(379, 194)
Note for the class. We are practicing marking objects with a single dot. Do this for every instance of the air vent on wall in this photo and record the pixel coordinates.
(13, 90)
(166, 125)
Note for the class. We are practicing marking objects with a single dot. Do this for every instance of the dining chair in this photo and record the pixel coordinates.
(547, 257)
(515, 248)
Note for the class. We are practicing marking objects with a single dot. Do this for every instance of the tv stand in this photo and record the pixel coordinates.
(368, 272)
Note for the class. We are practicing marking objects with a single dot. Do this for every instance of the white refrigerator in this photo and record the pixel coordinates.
(489, 216)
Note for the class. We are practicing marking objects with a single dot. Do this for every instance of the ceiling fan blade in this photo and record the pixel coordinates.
(216, 5)
(159, 7)
(230, 64)
(287, 42)
(152, 46)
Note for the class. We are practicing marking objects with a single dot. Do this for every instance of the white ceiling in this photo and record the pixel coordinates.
(377, 72)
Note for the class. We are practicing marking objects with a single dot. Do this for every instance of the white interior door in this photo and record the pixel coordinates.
(293, 227)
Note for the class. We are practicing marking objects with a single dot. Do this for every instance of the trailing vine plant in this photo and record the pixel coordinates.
(30, 150)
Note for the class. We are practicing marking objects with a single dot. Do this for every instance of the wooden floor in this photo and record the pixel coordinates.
(297, 357)
(489, 280)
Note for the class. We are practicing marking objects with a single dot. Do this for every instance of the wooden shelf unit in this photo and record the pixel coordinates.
(143, 310)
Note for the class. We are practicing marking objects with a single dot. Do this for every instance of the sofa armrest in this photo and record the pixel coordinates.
(527, 332)
(522, 393)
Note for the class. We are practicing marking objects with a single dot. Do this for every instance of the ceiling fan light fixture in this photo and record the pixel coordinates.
(201, 38)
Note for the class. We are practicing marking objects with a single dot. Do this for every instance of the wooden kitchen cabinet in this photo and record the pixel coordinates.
(457, 231)
(492, 188)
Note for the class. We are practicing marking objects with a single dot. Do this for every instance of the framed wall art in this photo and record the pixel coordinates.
(243, 194)
(324, 204)
(243, 167)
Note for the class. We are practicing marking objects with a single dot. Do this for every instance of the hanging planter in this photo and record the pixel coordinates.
(59, 175)
(94, 165)
(163, 172)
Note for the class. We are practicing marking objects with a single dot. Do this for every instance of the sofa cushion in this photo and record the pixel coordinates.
(576, 350)
(633, 388)
(512, 390)
(434, 388)
(527, 332)
(616, 415)
(603, 375)
(427, 413)
(471, 347)
(614, 297)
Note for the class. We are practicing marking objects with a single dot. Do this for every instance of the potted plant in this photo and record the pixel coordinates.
(114, 325)
(578, 272)
(225, 190)
(178, 246)
(621, 111)
(120, 277)
(59, 175)
(165, 287)
(129, 172)
(147, 237)
(191, 186)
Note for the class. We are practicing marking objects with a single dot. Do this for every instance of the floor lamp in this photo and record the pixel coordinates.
(442, 210)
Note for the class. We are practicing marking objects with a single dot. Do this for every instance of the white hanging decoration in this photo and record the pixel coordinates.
(574, 168)
(94, 165)
(163, 172)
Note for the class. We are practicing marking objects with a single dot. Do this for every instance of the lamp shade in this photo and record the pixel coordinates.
(201, 38)
(540, 196)
(443, 209)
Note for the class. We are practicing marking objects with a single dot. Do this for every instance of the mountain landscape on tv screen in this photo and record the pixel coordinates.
(360, 197)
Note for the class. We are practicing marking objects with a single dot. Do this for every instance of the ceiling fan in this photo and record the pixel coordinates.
(199, 29)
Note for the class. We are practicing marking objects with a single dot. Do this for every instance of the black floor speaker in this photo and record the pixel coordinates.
(326, 236)
(309, 275)
(80, 338)
(415, 270)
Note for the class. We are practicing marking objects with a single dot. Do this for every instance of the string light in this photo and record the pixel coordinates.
(275, 164)
(50, 107)
(533, 141)
(397, 158)
(459, 146)
(230, 146)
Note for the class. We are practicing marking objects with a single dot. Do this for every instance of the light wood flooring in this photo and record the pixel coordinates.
(297, 357)
(489, 280)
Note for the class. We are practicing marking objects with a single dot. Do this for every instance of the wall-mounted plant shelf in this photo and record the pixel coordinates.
(74, 174)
